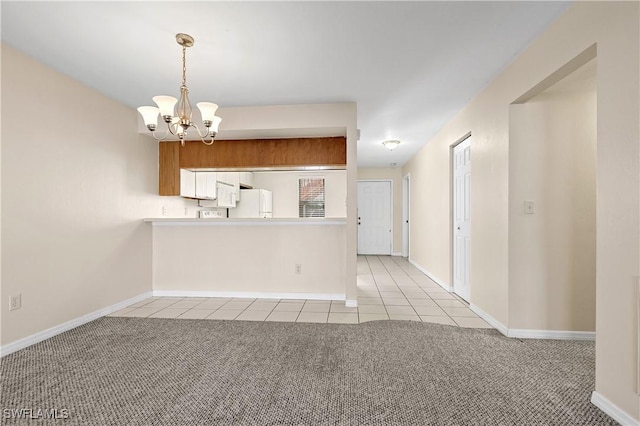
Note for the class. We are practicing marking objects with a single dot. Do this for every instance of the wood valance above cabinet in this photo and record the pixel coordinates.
(247, 154)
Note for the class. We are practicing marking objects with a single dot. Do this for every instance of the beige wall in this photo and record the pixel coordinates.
(250, 258)
(73, 192)
(552, 253)
(613, 26)
(393, 174)
(284, 186)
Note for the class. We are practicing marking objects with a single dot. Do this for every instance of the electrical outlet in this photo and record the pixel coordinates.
(298, 269)
(164, 210)
(15, 302)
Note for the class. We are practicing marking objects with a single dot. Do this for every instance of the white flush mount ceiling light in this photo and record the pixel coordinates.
(391, 144)
(178, 117)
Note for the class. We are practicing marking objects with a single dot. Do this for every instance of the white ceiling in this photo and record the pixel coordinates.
(409, 66)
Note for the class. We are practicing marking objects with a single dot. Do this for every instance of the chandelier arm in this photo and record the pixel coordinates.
(203, 137)
(166, 134)
(170, 128)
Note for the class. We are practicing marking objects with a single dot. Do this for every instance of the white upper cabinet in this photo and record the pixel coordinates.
(233, 179)
(206, 188)
(203, 185)
(246, 179)
(224, 177)
(187, 183)
(200, 185)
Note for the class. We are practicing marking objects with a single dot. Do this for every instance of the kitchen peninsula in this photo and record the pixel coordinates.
(258, 258)
(280, 257)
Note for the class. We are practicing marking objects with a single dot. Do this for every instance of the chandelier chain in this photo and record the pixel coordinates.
(184, 65)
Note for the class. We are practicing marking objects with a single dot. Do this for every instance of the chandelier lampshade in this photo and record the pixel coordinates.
(176, 113)
(150, 116)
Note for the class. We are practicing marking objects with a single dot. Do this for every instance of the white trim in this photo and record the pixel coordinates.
(249, 295)
(396, 254)
(433, 277)
(244, 222)
(551, 334)
(612, 410)
(638, 339)
(66, 326)
(491, 320)
(532, 334)
(350, 303)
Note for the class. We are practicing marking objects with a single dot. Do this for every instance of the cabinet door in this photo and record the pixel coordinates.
(234, 179)
(211, 182)
(187, 183)
(246, 179)
(201, 185)
(223, 177)
(205, 185)
(268, 201)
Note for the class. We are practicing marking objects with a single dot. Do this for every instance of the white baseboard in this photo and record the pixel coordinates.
(552, 334)
(613, 410)
(491, 320)
(516, 333)
(350, 303)
(532, 334)
(61, 328)
(433, 277)
(249, 295)
(398, 254)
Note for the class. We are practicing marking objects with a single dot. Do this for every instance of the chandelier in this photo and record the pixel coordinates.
(176, 113)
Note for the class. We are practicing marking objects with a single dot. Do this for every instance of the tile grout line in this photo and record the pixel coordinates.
(403, 293)
(377, 288)
(441, 307)
(265, 318)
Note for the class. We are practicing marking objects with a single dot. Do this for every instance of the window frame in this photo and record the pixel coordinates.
(320, 206)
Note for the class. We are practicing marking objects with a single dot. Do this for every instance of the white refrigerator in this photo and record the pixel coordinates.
(253, 203)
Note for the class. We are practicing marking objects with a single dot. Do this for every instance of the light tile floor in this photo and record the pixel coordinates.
(389, 288)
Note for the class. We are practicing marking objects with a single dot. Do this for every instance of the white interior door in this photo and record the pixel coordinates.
(405, 215)
(461, 218)
(374, 217)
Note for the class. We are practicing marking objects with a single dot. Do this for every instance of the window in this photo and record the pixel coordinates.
(310, 197)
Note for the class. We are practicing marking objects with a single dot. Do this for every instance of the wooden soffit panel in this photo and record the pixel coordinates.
(262, 153)
(169, 170)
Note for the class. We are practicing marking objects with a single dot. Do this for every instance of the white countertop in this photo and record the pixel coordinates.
(192, 221)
